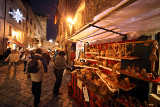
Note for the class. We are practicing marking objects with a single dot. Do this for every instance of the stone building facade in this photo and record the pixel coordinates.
(81, 12)
(29, 32)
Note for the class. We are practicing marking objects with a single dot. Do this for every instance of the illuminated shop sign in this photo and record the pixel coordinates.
(17, 15)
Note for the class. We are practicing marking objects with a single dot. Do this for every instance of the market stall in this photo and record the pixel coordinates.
(115, 65)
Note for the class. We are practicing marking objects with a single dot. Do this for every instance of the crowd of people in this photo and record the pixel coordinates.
(36, 63)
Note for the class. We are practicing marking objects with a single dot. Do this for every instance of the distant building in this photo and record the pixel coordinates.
(22, 26)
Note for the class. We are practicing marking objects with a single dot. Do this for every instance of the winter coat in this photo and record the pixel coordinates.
(38, 76)
(44, 62)
(60, 62)
(46, 57)
(13, 57)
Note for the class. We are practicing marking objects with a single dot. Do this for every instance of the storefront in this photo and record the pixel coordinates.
(16, 39)
(117, 57)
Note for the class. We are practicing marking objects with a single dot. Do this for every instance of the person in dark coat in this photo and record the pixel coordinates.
(36, 70)
(5, 55)
(46, 57)
(59, 66)
(44, 61)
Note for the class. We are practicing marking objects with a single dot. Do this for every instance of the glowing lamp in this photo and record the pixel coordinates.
(51, 41)
(70, 20)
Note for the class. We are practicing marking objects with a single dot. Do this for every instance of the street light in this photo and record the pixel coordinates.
(70, 20)
(51, 41)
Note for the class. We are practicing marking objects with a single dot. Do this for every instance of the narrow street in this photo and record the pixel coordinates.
(17, 92)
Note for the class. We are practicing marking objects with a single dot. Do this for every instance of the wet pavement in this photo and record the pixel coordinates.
(16, 91)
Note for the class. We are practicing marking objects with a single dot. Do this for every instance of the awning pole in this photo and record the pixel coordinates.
(108, 30)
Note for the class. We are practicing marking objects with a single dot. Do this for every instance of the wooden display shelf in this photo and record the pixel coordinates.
(130, 58)
(119, 58)
(107, 83)
(133, 76)
(118, 86)
(140, 78)
(109, 58)
(89, 59)
(107, 68)
(91, 53)
(83, 66)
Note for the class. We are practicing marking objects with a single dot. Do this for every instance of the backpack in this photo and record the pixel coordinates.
(33, 66)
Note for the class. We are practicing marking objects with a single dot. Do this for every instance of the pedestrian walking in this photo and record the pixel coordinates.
(59, 66)
(55, 54)
(39, 55)
(46, 58)
(36, 70)
(13, 59)
(25, 58)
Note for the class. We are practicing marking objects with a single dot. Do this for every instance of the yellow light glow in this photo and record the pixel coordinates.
(14, 46)
(78, 15)
(39, 44)
(81, 7)
(70, 20)
(51, 41)
(17, 35)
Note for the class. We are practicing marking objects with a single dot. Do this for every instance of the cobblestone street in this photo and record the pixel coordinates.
(17, 92)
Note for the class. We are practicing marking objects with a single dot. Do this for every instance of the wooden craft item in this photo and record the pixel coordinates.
(153, 57)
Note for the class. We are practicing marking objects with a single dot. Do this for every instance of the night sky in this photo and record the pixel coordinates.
(47, 8)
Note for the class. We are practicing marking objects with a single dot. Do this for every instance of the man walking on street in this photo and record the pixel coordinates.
(13, 59)
(36, 69)
(59, 66)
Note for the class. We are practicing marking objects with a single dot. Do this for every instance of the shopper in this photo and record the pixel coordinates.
(13, 59)
(55, 54)
(39, 55)
(47, 58)
(25, 58)
(35, 69)
(59, 66)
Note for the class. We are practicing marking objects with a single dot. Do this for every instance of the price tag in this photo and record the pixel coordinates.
(158, 89)
(79, 84)
(85, 93)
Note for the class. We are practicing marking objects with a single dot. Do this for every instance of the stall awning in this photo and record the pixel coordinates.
(131, 18)
(17, 43)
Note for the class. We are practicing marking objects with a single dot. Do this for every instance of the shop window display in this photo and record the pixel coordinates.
(117, 73)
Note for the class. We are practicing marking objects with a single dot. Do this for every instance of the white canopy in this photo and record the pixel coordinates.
(134, 19)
